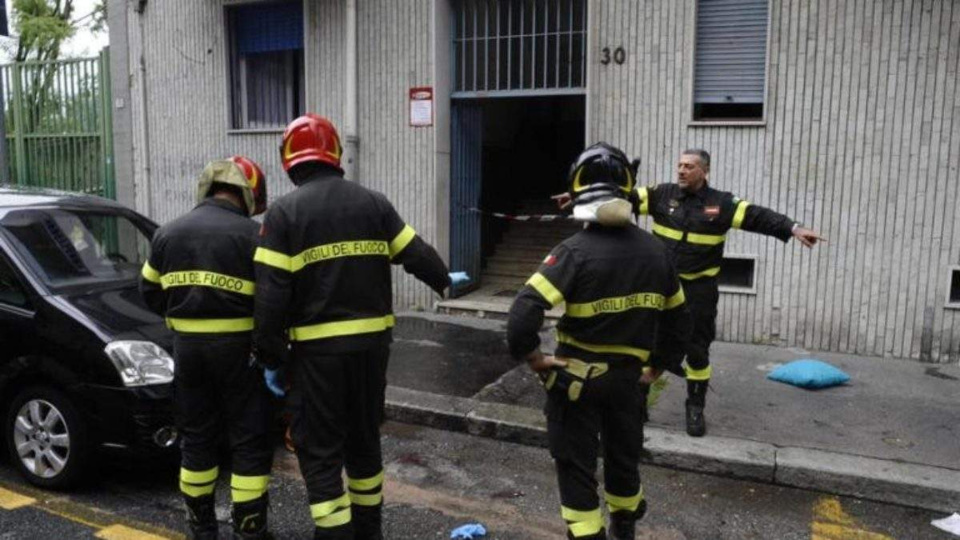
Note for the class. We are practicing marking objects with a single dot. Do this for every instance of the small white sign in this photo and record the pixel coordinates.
(421, 106)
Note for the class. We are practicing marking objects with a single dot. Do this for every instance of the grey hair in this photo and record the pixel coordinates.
(700, 153)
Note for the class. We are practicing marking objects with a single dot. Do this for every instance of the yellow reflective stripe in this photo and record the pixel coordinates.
(336, 519)
(644, 195)
(365, 484)
(616, 503)
(245, 495)
(273, 258)
(740, 214)
(399, 243)
(197, 491)
(199, 477)
(582, 523)
(210, 326)
(698, 374)
(250, 483)
(693, 238)
(642, 354)
(202, 278)
(337, 250)
(675, 300)
(546, 289)
(361, 499)
(706, 239)
(342, 328)
(667, 232)
(149, 273)
(616, 304)
(326, 508)
(709, 272)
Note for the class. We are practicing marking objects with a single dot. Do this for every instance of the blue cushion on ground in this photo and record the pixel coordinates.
(808, 373)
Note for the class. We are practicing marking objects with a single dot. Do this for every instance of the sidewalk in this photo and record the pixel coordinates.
(892, 434)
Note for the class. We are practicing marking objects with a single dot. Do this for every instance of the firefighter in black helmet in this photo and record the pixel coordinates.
(324, 287)
(692, 219)
(200, 277)
(619, 318)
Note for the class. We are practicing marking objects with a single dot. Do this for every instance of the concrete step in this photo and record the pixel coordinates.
(524, 254)
(508, 272)
(529, 244)
(544, 234)
(508, 267)
(487, 308)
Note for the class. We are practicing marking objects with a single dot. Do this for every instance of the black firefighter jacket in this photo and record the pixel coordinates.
(694, 225)
(200, 274)
(622, 300)
(323, 268)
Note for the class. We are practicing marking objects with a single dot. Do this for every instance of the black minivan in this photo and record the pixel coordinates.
(83, 362)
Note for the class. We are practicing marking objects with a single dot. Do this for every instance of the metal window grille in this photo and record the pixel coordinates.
(520, 47)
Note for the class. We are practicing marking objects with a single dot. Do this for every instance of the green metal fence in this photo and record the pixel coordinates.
(59, 129)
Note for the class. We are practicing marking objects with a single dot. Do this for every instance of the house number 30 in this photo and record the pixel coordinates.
(618, 56)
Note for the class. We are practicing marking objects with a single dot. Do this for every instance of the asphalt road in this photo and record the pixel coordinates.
(439, 480)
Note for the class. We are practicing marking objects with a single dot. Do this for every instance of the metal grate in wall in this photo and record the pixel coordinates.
(519, 47)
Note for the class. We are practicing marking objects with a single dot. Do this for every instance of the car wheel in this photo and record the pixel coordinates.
(47, 438)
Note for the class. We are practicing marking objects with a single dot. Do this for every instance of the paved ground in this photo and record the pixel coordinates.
(438, 480)
(891, 409)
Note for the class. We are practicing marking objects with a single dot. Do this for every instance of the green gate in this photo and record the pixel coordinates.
(59, 128)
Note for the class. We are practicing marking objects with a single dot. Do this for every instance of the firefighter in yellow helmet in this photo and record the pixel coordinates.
(620, 318)
(200, 277)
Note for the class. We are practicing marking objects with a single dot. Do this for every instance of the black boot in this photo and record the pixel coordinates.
(250, 519)
(335, 533)
(696, 401)
(367, 522)
(201, 517)
(623, 524)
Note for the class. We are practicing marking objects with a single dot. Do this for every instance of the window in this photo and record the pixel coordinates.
(525, 45)
(66, 247)
(737, 274)
(266, 64)
(11, 291)
(731, 59)
(953, 300)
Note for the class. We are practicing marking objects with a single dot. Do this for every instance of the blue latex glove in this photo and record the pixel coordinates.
(468, 532)
(271, 376)
(458, 278)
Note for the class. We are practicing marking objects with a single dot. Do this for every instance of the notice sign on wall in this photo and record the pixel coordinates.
(421, 106)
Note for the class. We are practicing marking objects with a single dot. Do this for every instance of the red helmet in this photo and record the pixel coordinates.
(311, 138)
(257, 182)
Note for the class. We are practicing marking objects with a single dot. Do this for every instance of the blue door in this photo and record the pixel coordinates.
(466, 162)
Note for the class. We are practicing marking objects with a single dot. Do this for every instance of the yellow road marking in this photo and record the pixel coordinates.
(831, 522)
(121, 532)
(11, 501)
(120, 528)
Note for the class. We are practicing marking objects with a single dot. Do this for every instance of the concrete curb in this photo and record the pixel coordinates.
(907, 484)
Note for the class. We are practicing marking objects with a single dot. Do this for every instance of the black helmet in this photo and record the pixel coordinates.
(601, 171)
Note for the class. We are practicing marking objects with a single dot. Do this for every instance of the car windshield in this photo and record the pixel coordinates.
(69, 247)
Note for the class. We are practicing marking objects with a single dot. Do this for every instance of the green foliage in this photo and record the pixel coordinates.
(43, 26)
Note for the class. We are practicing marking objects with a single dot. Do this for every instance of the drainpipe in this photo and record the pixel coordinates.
(145, 120)
(351, 150)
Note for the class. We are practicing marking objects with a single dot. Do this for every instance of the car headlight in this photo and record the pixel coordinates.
(140, 363)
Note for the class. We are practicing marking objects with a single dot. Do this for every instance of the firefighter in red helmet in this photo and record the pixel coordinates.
(200, 277)
(324, 288)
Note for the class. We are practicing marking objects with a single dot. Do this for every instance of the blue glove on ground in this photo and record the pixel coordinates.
(468, 532)
(272, 378)
(458, 278)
